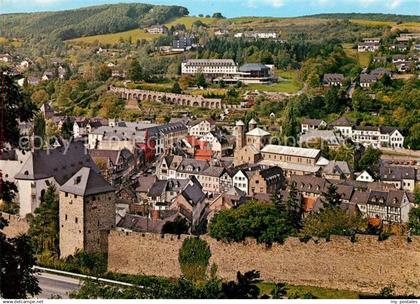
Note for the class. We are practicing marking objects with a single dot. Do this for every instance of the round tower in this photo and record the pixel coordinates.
(240, 134)
(252, 124)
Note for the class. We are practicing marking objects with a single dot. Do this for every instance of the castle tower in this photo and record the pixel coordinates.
(240, 134)
(252, 124)
(87, 213)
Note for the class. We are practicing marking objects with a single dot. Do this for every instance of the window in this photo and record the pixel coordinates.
(76, 220)
(65, 217)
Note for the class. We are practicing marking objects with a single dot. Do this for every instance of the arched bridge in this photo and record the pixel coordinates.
(179, 99)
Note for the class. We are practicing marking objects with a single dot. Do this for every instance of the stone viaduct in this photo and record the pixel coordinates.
(179, 99)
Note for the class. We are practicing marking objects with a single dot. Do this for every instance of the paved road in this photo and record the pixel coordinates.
(52, 284)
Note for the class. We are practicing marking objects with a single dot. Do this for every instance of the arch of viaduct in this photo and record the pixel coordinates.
(179, 99)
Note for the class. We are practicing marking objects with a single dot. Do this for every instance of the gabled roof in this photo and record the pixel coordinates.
(342, 122)
(337, 167)
(87, 182)
(313, 122)
(60, 163)
(292, 151)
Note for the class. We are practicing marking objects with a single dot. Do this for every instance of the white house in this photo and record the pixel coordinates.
(202, 128)
(241, 181)
(365, 177)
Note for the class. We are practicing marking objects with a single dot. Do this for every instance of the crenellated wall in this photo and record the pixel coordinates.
(366, 265)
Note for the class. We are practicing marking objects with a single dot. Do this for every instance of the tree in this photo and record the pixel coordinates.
(294, 208)
(261, 221)
(44, 224)
(67, 128)
(178, 227)
(16, 267)
(414, 221)
(103, 73)
(17, 107)
(361, 101)
(40, 96)
(332, 221)
(332, 100)
(370, 159)
(201, 81)
(7, 195)
(40, 127)
(135, 72)
(290, 124)
(331, 198)
(244, 288)
(218, 16)
(176, 88)
(193, 258)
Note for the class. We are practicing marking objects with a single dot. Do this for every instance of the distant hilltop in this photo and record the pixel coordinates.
(93, 20)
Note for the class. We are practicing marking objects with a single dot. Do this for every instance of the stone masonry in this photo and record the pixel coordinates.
(365, 266)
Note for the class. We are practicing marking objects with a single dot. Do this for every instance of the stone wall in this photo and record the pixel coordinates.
(365, 266)
(16, 226)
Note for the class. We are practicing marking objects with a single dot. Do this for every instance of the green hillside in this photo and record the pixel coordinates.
(95, 20)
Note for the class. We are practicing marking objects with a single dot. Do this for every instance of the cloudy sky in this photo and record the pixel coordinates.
(232, 8)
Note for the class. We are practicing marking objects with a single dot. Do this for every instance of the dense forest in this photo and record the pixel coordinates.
(371, 17)
(87, 21)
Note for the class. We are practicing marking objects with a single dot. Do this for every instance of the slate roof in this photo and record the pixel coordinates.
(193, 192)
(333, 78)
(337, 167)
(396, 173)
(312, 122)
(87, 182)
(60, 163)
(342, 122)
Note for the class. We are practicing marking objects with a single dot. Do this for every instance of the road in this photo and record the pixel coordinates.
(52, 284)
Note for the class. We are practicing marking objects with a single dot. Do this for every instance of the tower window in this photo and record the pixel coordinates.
(76, 220)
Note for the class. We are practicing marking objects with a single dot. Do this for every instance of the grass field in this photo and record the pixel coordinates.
(188, 21)
(318, 292)
(412, 26)
(289, 85)
(137, 34)
(362, 58)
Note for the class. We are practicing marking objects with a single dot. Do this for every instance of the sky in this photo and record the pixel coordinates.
(235, 8)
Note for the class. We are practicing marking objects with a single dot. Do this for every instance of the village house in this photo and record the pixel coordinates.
(327, 137)
(115, 166)
(369, 45)
(403, 178)
(312, 124)
(390, 207)
(157, 29)
(333, 80)
(365, 176)
(336, 170)
(367, 80)
(191, 203)
(201, 127)
(267, 180)
(162, 192)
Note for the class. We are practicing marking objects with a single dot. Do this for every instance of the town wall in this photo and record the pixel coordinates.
(16, 225)
(365, 266)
